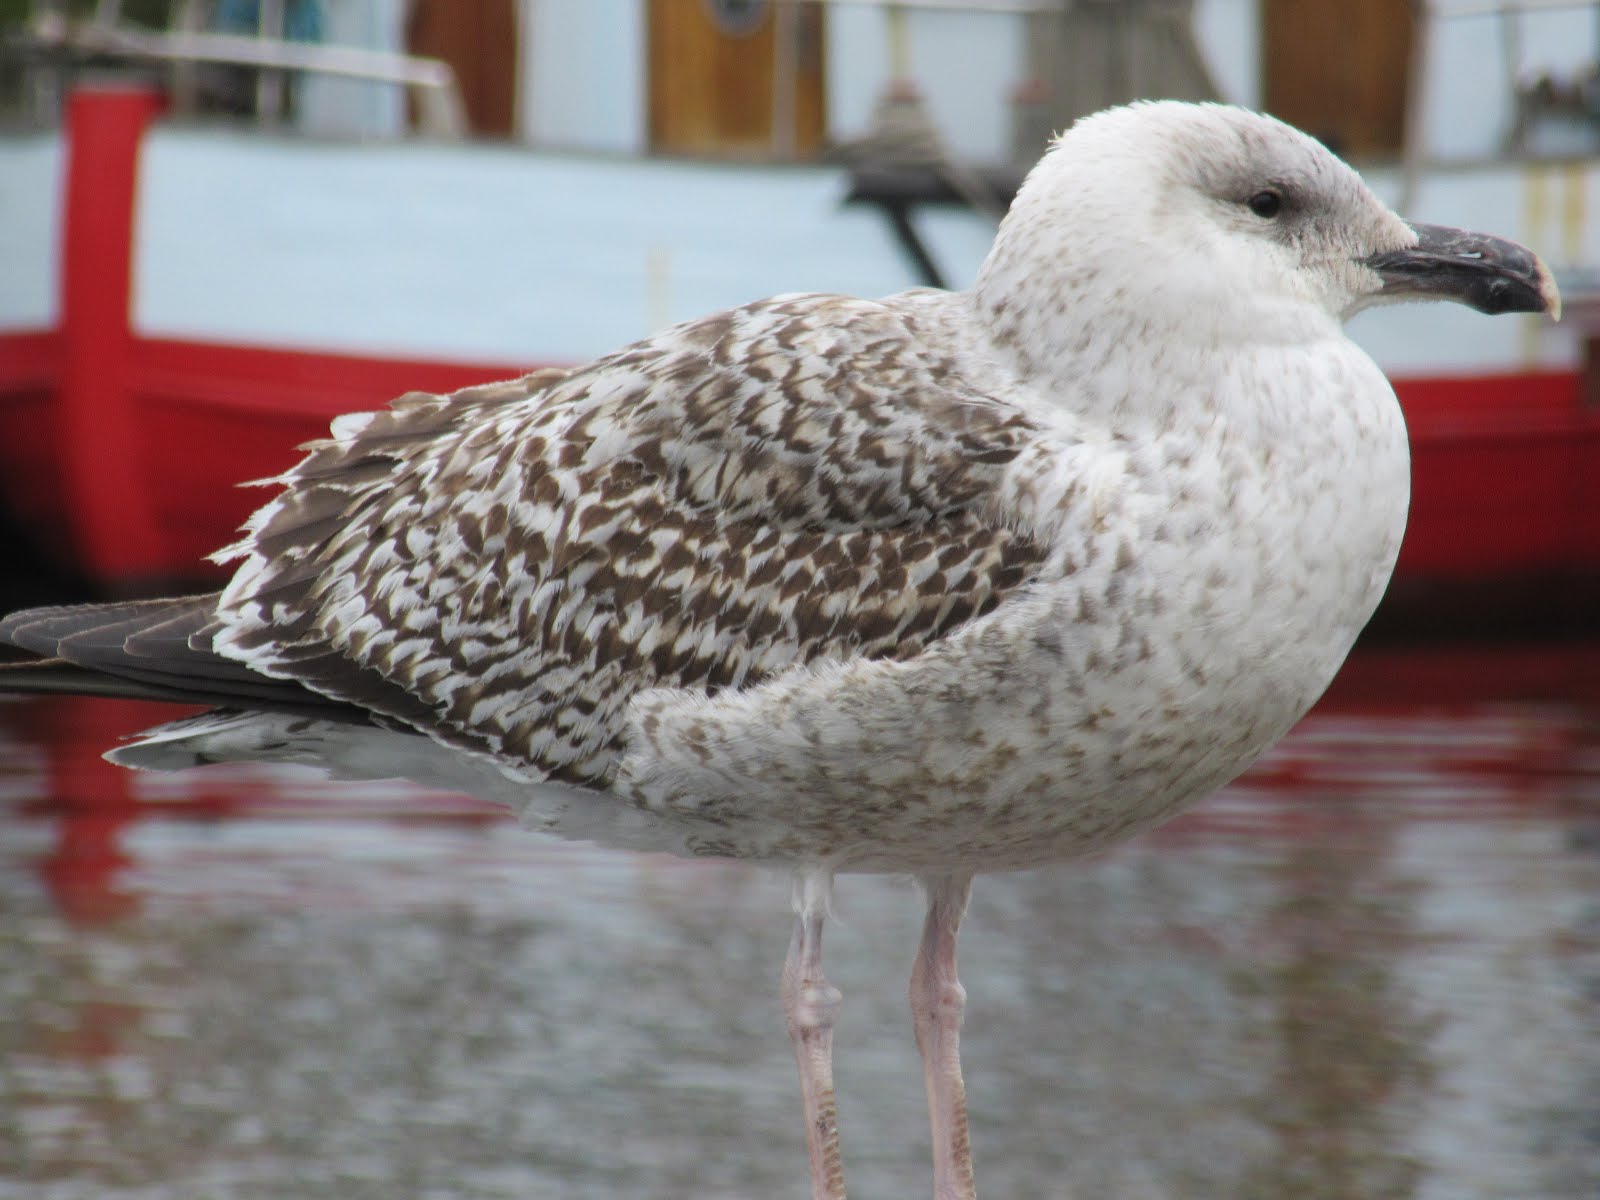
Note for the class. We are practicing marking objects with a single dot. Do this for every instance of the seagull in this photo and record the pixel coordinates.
(938, 584)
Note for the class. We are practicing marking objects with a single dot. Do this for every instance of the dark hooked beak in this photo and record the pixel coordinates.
(1487, 273)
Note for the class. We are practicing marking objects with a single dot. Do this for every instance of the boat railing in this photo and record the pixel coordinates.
(431, 82)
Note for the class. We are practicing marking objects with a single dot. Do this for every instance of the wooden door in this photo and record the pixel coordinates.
(736, 78)
(1338, 69)
(478, 38)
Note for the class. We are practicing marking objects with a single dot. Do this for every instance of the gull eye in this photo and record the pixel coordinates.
(1266, 203)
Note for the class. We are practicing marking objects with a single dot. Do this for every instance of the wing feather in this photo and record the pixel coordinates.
(505, 568)
(145, 649)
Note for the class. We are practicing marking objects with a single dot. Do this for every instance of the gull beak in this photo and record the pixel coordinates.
(1487, 273)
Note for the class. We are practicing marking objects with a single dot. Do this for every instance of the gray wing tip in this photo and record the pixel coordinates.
(42, 630)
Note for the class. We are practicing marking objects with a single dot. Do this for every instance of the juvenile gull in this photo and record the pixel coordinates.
(939, 584)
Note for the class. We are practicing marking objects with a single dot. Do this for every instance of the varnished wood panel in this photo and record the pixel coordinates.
(711, 86)
(1338, 69)
(478, 38)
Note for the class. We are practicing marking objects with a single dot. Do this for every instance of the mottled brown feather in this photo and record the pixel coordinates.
(506, 567)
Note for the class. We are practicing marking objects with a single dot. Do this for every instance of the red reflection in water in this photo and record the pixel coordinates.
(89, 798)
(1462, 728)
(92, 804)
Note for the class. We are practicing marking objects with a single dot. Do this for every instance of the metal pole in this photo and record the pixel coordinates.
(785, 78)
(899, 43)
(269, 84)
(1416, 129)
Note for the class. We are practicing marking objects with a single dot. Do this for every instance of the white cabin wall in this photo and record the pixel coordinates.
(1469, 106)
(30, 230)
(584, 74)
(346, 108)
(966, 63)
(1229, 33)
(856, 58)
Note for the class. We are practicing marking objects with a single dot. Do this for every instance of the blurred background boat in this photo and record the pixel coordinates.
(224, 223)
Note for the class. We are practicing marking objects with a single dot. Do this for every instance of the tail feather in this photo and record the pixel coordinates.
(41, 629)
(56, 676)
(146, 649)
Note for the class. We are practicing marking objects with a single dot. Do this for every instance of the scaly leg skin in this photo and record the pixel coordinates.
(937, 1003)
(810, 1004)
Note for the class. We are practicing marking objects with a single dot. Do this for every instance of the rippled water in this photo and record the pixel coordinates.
(1371, 968)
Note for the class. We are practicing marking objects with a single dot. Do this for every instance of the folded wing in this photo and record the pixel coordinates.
(504, 568)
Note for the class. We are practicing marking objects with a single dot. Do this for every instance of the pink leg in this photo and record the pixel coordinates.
(810, 1004)
(937, 1003)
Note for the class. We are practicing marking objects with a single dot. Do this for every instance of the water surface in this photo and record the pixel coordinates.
(1370, 968)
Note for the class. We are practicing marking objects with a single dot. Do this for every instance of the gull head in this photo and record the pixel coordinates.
(1213, 221)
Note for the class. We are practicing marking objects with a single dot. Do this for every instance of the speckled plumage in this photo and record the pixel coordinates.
(942, 583)
(995, 577)
(508, 568)
(998, 576)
